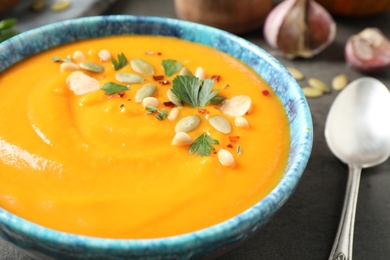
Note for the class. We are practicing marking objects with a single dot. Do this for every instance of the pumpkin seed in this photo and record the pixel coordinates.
(38, 5)
(185, 72)
(127, 77)
(312, 92)
(69, 66)
(141, 66)
(60, 5)
(79, 55)
(147, 90)
(318, 84)
(150, 101)
(217, 100)
(90, 66)
(226, 158)
(81, 83)
(200, 74)
(220, 124)
(182, 138)
(187, 124)
(339, 82)
(172, 97)
(173, 114)
(105, 55)
(295, 73)
(240, 121)
(236, 106)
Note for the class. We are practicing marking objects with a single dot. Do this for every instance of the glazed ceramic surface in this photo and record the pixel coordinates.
(42, 242)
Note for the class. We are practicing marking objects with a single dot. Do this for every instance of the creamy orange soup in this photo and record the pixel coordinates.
(103, 165)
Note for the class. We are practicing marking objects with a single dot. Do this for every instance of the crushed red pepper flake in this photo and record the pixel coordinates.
(169, 104)
(121, 94)
(165, 82)
(229, 146)
(234, 138)
(265, 92)
(158, 77)
(203, 111)
(159, 53)
(216, 77)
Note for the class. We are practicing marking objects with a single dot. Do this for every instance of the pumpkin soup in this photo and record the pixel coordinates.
(137, 137)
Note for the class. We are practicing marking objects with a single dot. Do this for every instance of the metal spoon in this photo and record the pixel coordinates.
(357, 131)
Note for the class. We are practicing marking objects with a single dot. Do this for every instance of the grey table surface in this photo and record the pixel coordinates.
(305, 227)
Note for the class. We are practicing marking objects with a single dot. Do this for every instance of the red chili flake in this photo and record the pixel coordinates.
(129, 99)
(234, 139)
(265, 92)
(203, 111)
(165, 82)
(122, 105)
(229, 146)
(159, 53)
(121, 94)
(169, 104)
(158, 77)
(216, 77)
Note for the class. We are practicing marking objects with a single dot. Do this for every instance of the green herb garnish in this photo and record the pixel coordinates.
(113, 88)
(203, 145)
(239, 150)
(120, 63)
(59, 59)
(160, 115)
(6, 30)
(171, 67)
(193, 91)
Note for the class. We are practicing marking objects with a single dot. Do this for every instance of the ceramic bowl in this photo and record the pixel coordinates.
(44, 243)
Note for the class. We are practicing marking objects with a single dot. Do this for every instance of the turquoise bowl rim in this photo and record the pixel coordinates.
(192, 245)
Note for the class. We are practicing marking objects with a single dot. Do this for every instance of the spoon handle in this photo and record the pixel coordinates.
(342, 247)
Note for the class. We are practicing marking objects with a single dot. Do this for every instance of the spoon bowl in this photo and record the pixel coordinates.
(357, 131)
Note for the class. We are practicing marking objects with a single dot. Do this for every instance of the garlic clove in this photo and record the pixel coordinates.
(368, 51)
(299, 28)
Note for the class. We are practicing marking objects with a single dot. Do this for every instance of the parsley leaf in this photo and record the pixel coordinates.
(122, 61)
(193, 91)
(170, 67)
(160, 115)
(113, 88)
(203, 145)
(6, 30)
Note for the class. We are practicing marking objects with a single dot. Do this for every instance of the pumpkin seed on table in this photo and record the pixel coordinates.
(127, 77)
(318, 84)
(141, 66)
(220, 124)
(90, 66)
(339, 82)
(312, 92)
(60, 5)
(187, 124)
(295, 73)
(147, 90)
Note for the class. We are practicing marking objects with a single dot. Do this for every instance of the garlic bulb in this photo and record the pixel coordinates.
(368, 51)
(299, 28)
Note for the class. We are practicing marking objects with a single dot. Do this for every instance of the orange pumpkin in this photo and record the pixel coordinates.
(355, 7)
